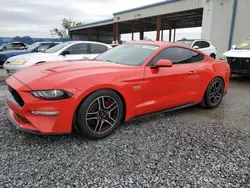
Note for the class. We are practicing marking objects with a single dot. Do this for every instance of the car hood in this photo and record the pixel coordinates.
(31, 56)
(238, 53)
(51, 75)
(8, 54)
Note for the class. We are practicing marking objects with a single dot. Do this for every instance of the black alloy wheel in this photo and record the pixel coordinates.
(99, 114)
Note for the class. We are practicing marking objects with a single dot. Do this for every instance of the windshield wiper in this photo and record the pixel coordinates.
(111, 61)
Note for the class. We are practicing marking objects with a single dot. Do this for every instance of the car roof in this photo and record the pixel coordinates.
(156, 43)
(192, 40)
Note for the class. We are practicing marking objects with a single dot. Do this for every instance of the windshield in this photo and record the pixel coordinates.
(57, 47)
(244, 45)
(128, 54)
(186, 42)
(34, 46)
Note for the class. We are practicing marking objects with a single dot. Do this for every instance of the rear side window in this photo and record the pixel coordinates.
(178, 55)
(98, 48)
(18, 45)
(204, 44)
(197, 43)
(78, 49)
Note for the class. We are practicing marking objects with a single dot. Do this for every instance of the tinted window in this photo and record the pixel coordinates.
(128, 54)
(97, 48)
(197, 43)
(18, 45)
(204, 44)
(78, 49)
(178, 56)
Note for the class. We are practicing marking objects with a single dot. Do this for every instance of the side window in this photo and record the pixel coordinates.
(204, 44)
(18, 45)
(178, 56)
(43, 47)
(197, 43)
(8, 46)
(78, 49)
(97, 48)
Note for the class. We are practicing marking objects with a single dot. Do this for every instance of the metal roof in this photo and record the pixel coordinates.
(125, 11)
(92, 23)
(146, 6)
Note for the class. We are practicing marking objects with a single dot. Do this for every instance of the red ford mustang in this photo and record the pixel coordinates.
(133, 79)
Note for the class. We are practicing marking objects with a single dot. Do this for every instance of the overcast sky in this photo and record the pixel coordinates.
(35, 18)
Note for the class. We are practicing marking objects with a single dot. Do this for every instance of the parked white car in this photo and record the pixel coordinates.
(239, 58)
(74, 50)
(202, 45)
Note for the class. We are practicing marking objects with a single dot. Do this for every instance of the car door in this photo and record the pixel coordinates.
(97, 49)
(206, 47)
(168, 87)
(75, 52)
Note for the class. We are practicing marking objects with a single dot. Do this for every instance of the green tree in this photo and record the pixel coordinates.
(63, 31)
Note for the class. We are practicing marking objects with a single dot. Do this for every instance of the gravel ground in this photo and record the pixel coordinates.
(187, 148)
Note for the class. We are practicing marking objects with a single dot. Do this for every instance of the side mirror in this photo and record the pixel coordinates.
(164, 63)
(65, 53)
(234, 47)
(196, 47)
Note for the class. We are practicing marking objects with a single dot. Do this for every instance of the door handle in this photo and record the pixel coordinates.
(192, 72)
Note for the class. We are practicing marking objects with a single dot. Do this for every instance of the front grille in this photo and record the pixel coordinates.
(16, 96)
(239, 64)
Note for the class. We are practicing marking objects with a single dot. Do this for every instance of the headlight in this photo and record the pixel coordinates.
(19, 62)
(54, 94)
(224, 58)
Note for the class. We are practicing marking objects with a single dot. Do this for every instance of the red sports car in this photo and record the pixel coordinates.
(133, 79)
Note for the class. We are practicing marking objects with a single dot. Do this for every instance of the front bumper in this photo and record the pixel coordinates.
(24, 120)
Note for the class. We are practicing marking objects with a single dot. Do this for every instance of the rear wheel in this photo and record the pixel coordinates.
(214, 94)
(213, 56)
(99, 114)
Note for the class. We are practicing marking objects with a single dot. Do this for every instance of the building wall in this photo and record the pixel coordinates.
(171, 7)
(242, 22)
(104, 39)
(216, 23)
(217, 20)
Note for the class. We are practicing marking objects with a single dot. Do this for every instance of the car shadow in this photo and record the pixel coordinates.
(240, 78)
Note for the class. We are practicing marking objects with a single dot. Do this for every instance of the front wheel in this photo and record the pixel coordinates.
(214, 93)
(99, 114)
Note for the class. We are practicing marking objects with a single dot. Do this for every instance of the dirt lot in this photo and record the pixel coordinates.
(192, 147)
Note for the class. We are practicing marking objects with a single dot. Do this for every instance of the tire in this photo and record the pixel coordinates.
(99, 114)
(213, 56)
(214, 94)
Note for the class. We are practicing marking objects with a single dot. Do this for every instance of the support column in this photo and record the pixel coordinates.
(114, 33)
(162, 35)
(117, 33)
(158, 28)
(170, 35)
(141, 30)
(89, 34)
(97, 35)
(174, 35)
(132, 31)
